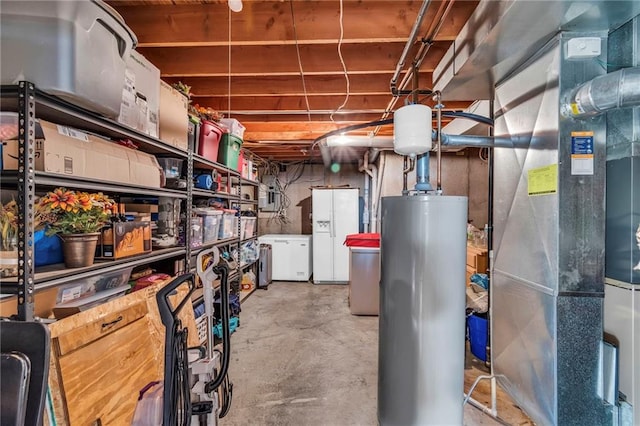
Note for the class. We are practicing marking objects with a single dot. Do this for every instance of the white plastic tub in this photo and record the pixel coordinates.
(210, 224)
(247, 227)
(228, 225)
(73, 49)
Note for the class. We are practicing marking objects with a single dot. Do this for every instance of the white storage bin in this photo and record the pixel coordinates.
(228, 226)
(210, 223)
(73, 49)
(247, 226)
(235, 127)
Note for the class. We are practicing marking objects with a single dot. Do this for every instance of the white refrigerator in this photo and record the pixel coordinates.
(335, 215)
(290, 256)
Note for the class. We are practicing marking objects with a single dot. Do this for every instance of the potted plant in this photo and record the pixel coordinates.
(77, 218)
(8, 231)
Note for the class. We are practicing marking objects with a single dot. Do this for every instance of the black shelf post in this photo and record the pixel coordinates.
(26, 195)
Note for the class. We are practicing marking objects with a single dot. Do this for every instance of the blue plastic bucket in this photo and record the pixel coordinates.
(478, 328)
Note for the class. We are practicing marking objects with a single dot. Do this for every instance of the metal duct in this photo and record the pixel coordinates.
(619, 89)
(500, 36)
(422, 301)
(547, 283)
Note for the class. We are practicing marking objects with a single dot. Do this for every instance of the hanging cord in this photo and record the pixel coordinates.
(304, 84)
(344, 66)
(226, 393)
(180, 383)
(229, 75)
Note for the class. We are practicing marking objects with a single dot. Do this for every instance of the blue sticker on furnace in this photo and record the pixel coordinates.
(582, 145)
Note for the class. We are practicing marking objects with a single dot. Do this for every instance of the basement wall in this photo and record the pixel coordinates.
(463, 173)
(297, 216)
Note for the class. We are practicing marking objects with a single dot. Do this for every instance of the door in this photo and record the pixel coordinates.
(322, 205)
(345, 222)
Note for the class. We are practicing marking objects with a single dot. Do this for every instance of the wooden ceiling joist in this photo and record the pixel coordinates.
(271, 21)
(292, 84)
(255, 60)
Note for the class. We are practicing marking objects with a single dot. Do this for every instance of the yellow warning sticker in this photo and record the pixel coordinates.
(543, 180)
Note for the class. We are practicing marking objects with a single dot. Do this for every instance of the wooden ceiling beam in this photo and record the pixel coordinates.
(291, 85)
(340, 118)
(270, 60)
(356, 102)
(271, 21)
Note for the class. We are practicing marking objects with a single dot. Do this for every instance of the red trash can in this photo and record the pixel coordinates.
(363, 240)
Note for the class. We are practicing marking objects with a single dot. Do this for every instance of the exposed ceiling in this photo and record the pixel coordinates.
(276, 65)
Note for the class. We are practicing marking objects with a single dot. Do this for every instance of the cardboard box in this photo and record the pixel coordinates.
(141, 208)
(123, 239)
(174, 118)
(67, 151)
(141, 95)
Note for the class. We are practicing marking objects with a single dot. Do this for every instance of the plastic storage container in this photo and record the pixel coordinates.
(197, 234)
(209, 140)
(172, 167)
(73, 49)
(247, 227)
(85, 287)
(229, 151)
(478, 336)
(228, 225)
(235, 127)
(210, 224)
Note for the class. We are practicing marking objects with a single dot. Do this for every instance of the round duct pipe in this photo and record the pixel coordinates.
(619, 89)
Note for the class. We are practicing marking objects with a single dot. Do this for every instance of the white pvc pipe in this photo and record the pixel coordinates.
(365, 212)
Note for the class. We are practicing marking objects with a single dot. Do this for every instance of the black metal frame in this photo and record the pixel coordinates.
(26, 194)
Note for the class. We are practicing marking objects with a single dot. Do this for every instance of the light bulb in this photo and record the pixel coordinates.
(235, 5)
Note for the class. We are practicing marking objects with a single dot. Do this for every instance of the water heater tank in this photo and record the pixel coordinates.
(412, 130)
(422, 311)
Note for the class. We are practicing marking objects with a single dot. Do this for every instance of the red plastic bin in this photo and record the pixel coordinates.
(363, 240)
(209, 141)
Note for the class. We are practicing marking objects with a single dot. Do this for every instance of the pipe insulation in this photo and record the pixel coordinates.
(619, 89)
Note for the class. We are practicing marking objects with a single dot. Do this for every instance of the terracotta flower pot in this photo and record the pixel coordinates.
(79, 249)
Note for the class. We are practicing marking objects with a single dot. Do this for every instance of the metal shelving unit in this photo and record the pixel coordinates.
(31, 103)
(249, 204)
(52, 180)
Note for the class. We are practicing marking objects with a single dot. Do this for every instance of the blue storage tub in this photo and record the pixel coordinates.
(48, 250)
(478, 333)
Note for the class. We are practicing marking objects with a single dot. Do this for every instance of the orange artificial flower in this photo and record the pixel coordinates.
(62, 198)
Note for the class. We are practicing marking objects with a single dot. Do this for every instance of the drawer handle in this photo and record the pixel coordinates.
(112, 323)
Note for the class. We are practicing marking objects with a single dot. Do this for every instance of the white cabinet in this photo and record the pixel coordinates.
(290, 256)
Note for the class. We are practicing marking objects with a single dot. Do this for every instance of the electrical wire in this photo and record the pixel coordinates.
(344, 66)
(229, 75)
(226, 393)
(483, 153)
(304, 84)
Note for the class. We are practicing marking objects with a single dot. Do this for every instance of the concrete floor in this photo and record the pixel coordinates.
(300, 358)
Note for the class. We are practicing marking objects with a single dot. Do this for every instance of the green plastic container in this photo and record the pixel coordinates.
(229, 150)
